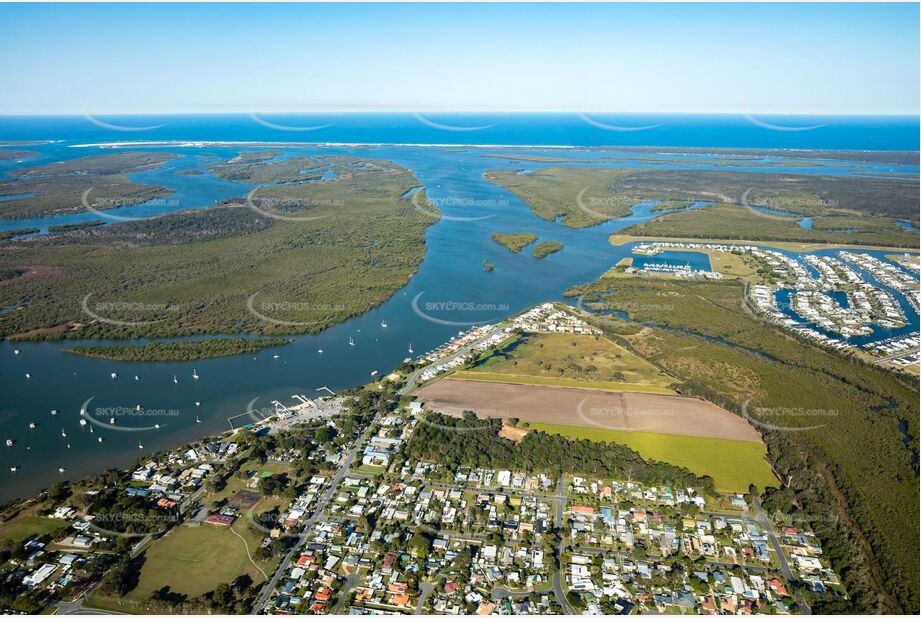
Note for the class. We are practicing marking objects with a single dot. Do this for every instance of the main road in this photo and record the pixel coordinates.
(320, 505)
(319, 509)
(560, 499)
(413, 378)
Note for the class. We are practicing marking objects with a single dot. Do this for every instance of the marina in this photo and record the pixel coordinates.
(829, 296)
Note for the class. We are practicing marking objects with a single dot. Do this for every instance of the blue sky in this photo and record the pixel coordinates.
(755, 58)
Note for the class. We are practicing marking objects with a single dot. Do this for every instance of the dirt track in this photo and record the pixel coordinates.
(588, 408)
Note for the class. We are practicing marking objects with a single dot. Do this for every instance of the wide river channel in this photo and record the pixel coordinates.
(450, 292)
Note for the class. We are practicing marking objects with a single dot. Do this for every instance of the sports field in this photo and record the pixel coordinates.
(194, 560)
(732, 464)
(20, 528)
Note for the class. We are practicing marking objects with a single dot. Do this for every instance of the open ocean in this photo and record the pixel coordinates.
(569, 129)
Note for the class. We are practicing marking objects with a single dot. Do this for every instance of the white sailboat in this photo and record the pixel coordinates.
(114, 375)
(411, 348)
(194, 374)
(351, 342)
(175, 380)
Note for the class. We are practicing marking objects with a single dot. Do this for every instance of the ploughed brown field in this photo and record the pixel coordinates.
(669, 414)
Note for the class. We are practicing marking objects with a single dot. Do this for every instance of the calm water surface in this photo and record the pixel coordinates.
(452, 274)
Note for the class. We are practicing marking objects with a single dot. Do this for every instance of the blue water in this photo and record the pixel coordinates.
(694, 259)
(913, 324)
(452, 270)
(189, 191)
(835, 132)
(14, 196)
(839, 297)
(906, 225)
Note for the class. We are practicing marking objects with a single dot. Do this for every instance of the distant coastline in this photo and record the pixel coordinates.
(327, 144)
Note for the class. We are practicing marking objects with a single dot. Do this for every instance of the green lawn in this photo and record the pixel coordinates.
(733, 464)
(194, 561)
(512, 378)
(21, 528)
(579, 361)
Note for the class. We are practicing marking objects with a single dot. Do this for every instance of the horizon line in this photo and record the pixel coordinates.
(576, 112)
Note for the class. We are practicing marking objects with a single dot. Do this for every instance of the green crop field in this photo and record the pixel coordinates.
(512, 378)
(732, 464)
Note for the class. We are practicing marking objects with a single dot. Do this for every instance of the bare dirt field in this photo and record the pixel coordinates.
(643, 412)
(515, 434)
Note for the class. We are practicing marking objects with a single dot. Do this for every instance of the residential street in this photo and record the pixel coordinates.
(318, 508)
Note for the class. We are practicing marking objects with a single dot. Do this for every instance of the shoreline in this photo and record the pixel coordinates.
(327, 144)
(619, 240)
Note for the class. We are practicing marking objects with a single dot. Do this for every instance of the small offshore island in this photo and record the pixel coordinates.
(180, 350)
(514, 242)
